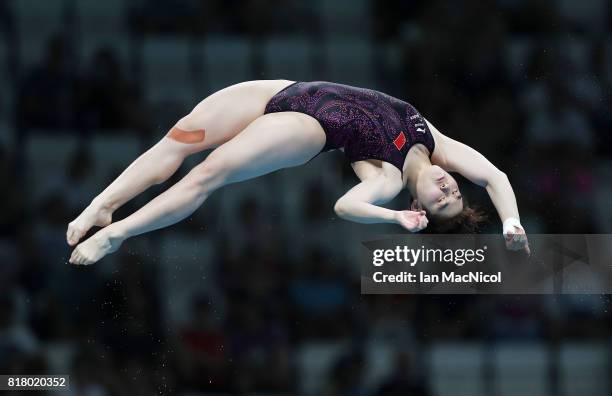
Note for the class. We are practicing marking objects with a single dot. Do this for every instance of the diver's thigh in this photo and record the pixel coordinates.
(272, 141)
(225, 113)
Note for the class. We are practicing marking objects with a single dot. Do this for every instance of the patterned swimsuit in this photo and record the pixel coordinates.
(368, 124)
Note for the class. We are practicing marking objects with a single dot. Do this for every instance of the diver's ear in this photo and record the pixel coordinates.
(415, 205)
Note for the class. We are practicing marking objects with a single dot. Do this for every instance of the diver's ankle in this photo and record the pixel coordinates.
(115, 233)
(100, 205)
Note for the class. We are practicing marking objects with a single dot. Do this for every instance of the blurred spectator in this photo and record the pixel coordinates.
(346, 376)
(253, 224)
(559, 121)
(583, 316)
(259, 346)
(11, 202)
(15, 336)
(320, 296)
(517, 317)
(156, 16)
(47, 93)
(107, 99)
(316, 206)
(89, 375)
(74, 184)
(389, 318)
(128, 310)
(393, 17)
(78, 180)
(403, 380)
(50, 232)
(6, 20)
(204, 348)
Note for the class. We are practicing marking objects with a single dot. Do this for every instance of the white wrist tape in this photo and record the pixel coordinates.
(509, 225)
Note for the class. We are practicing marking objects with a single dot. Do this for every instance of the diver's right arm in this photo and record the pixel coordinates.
(360, 204)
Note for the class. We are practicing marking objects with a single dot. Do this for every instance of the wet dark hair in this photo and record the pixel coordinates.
(469, 221)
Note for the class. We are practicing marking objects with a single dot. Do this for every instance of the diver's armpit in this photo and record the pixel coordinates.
(182, 136)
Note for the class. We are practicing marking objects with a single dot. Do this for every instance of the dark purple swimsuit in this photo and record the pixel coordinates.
(368, 124)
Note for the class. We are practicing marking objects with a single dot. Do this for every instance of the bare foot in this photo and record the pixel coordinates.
(93, 215)
(93, 249)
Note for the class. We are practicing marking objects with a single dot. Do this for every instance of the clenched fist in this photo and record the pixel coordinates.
(411, 220)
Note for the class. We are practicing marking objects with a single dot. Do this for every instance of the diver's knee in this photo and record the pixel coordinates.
(211, 174)
(190, 129)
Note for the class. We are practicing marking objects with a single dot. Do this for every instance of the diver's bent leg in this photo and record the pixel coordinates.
(215, 120)
(152, 167)
(271, 142)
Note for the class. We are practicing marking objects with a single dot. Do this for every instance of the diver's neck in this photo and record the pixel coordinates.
(417, 159)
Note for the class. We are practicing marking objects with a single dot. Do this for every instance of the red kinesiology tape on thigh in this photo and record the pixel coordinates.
(182, 136)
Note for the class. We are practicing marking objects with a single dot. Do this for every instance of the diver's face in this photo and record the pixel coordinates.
(438, 193)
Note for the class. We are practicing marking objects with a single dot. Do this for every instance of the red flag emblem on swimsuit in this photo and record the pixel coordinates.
(400, 140)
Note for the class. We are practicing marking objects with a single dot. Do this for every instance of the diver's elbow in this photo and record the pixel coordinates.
(341, 209)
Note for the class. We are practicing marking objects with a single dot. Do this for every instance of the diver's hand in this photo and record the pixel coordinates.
(515, 236)
(411, 220)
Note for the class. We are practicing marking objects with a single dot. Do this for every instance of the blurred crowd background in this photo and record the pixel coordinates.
(259, 290)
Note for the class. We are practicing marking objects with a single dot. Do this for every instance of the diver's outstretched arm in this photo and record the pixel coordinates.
(479, 170)
(455, 156)
(463, 159)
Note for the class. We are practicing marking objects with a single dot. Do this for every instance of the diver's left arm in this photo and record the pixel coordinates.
(461, 158)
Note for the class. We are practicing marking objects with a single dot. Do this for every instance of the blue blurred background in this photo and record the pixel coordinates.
(259, 290)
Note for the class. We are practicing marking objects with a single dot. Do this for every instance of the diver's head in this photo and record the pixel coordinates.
(438, 194)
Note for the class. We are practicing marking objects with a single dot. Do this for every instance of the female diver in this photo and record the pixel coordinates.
(257, 127)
